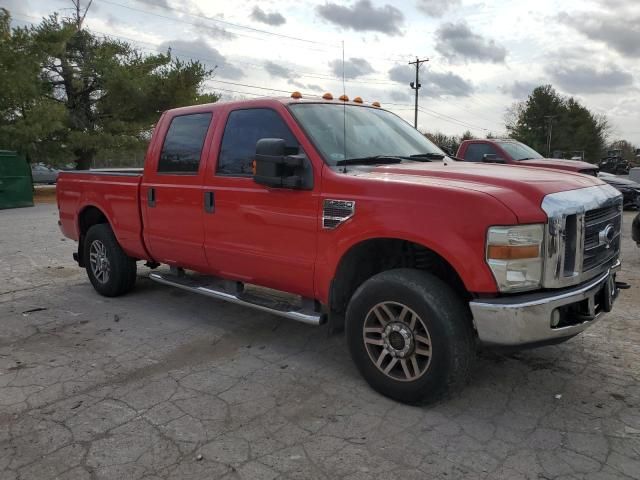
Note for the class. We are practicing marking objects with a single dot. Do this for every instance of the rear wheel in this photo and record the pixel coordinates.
(410, 336)
(111, 271)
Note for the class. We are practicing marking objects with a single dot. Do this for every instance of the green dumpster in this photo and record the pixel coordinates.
(16, 188)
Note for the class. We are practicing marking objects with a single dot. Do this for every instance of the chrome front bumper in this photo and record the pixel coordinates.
(527, 318)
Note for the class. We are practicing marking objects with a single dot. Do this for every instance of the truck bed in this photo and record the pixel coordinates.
(115, 192)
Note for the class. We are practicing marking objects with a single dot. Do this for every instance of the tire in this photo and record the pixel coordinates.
(112, 272)
(441, 341)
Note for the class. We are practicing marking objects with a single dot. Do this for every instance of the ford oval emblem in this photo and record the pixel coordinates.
(606, 235)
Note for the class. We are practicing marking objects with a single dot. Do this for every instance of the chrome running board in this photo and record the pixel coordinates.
(257, 298)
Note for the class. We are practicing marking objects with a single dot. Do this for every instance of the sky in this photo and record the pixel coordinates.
(483, 55)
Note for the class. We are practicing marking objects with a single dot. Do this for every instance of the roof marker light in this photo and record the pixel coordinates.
(376, 104)
(296, 95)
(358, 100)
(344, 98)
(327, 96)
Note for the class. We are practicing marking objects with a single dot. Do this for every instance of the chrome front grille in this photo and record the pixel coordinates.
(582, 234)
(601, 236)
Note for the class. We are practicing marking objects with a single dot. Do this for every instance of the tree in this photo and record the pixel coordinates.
(573, 126)
(71, 94)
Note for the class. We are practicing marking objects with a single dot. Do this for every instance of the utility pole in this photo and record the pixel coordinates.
(550, 119)
(416, 86)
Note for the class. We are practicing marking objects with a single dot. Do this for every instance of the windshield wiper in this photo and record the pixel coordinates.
(373, 160)
(428, 156)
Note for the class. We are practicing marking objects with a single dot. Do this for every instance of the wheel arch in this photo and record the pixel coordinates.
(374, 255)
(88, 216)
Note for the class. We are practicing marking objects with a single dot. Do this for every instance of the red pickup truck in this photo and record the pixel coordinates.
(341, 212)
(516, 153)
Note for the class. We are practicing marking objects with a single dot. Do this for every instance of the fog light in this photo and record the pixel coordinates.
(555, 318)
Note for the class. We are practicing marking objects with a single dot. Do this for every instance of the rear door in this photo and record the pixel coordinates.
(261, 235)
(171, 193)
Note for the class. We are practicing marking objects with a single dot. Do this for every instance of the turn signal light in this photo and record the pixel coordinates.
(357, 100)
(512, 252)
(327, 96)
(376, 104)
(296, 95)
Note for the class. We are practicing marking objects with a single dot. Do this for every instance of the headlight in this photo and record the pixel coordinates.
(514, 255)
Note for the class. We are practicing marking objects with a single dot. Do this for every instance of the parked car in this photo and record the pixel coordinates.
(516, 153)
(614, 163)
(43, 174)
(630, 190)
(358, 220)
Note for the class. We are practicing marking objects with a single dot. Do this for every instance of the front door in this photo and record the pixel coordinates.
(171, 193)
(266, 236)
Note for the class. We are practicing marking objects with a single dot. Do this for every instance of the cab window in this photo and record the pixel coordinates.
(183, 144)
(475, 151)
(243, 130)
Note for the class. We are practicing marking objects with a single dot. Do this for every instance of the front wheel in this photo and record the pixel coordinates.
(111, 271)
(410, 336)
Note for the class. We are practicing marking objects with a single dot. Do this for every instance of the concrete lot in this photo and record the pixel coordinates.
(165, 384)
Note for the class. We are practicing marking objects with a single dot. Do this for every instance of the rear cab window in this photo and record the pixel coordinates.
(183, 143)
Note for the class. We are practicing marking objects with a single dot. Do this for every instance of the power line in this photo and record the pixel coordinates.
(213, 19)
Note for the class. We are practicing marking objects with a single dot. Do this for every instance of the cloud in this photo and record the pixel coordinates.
(214, 31)
(309, 87)
(457, 41)
(156, 3)
(401, 95)
(276, 70)
(446, 84)
(434, 84)
(620, 32)
(271, 18)
(363, 16)
(353, 68)
(589, 79)
(15, 6)
(199, 49)
(519, 90)
(437, 8)
(402, 74)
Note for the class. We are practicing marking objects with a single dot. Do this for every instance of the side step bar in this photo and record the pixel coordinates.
(212, 287)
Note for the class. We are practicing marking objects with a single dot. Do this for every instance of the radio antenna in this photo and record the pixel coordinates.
(344, 115)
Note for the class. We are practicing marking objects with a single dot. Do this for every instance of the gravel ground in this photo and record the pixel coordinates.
(165, 384)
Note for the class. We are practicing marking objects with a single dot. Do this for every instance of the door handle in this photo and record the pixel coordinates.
(151, 197)
(209, 202)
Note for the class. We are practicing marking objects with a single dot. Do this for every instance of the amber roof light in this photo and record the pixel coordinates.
(344, 98)
(327, 96)
(376, 104)
(296, 95)
(358, 100)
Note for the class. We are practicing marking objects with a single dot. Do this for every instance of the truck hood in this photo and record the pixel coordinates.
(558, 163)
(520, 188)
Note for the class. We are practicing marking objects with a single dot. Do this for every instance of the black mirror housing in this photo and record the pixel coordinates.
(275, 168)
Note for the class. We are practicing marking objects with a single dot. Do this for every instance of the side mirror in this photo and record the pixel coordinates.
(492, 158)
(273, 167)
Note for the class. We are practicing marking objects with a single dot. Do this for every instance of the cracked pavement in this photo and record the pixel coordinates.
(163, 384)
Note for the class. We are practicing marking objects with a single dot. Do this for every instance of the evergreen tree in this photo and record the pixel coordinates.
(67, 93)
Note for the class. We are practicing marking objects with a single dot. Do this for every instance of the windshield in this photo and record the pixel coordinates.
(519, 151)
(370, 132)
